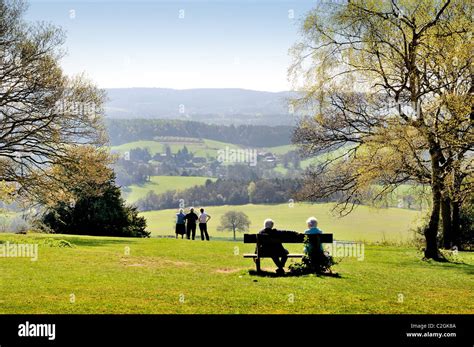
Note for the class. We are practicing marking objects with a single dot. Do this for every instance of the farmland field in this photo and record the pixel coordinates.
(200, 148)
(161, 184)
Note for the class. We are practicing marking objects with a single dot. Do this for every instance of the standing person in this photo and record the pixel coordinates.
(191, 219)
(180, 223)
(203, 219)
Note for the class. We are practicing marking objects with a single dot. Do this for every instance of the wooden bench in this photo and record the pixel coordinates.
(259, 240)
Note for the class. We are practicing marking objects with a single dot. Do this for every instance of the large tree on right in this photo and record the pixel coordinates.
(386, 87)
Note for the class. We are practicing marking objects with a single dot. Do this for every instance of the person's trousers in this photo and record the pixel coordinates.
(191, 231)
(203, 228)
(280, 261)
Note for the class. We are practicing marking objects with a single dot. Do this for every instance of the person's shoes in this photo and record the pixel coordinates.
(280, 271)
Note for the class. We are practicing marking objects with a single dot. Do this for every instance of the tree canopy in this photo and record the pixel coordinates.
(42, 111)
(390, 84)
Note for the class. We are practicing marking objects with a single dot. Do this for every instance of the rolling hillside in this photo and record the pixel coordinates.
(161, 184)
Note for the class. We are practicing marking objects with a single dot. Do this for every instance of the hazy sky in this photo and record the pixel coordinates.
(217, 44)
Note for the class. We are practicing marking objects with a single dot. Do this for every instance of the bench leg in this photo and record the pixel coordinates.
(257, 263)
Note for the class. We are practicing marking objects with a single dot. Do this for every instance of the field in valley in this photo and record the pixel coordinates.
(161, 184)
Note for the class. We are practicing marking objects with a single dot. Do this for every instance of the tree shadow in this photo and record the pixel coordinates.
(78, 241)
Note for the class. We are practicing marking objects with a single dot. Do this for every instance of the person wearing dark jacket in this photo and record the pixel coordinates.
(275, 249)
(191, 219)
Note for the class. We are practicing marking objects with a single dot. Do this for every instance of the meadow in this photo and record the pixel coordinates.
(201, 148)
(363, 224)
(161, 184)
(98, 275)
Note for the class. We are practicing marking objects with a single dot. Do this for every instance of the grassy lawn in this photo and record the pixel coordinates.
(364, 224)
(161, 184)
(181, 276)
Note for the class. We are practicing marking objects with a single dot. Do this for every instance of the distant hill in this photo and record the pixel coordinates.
(123, 131)
(221, 106)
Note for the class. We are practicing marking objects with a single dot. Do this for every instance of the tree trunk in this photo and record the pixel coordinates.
(456, 223)
(233, 229)
(447, 222)
(431, 231)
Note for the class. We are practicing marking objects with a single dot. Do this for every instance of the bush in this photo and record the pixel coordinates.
(104, 214)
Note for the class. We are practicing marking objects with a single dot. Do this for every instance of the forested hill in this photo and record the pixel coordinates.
(127, 130)
(217, 106)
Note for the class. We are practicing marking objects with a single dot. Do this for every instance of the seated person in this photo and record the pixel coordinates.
(312, 223)
(275, 249)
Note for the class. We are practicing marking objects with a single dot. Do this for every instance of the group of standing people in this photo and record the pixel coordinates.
(186, 224)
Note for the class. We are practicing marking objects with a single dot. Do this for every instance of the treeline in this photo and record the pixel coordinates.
(224, 192)
(127, 130)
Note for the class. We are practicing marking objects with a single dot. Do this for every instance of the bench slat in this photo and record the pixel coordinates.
(288, 238)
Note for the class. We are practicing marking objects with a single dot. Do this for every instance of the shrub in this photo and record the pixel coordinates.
(104, 214)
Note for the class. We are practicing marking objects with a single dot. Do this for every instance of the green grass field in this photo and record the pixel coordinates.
(279, 150)
(180, 276)
(161, 184)
(364, 224)
(206, 148)
(202, 149)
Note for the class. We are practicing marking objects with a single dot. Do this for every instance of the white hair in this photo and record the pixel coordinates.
(268, 223)
(312, 222)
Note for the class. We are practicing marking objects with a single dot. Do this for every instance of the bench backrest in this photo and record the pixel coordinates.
(287, 238)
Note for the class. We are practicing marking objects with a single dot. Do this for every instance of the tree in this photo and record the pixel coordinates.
(86, 200)
(389, 87)
(140, 154)
(251, 189)
(150, 202)
(7, 192)
(235, 221)
(85, 172)
(103, 214)
(42, 111)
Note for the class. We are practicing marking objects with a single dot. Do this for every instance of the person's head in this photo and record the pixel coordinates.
(268, 223)
(202, 210)
(312, 222)
(181, 210)
(191, 209)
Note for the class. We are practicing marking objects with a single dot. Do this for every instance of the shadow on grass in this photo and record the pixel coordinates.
(455, 265)
(78, 241)
(264, 273)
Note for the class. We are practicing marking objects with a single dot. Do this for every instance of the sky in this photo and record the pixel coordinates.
(178, 44)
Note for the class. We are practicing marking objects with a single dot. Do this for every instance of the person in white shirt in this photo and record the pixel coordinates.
(203, 219)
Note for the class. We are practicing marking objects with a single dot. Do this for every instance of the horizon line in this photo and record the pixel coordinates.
(203, 88)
